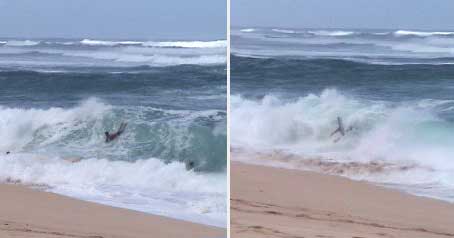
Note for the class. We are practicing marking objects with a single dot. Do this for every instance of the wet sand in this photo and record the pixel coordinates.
(276, 202)
(26, 212)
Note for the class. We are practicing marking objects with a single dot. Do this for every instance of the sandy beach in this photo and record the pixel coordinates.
(274, 202)
(30, 213)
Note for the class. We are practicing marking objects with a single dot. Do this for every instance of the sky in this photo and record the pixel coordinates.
(374, 14)
(114, 19)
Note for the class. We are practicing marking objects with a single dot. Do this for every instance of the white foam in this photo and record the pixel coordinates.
(247, 30)
(406, 133)
(284, 31)
(19, 127)
(43, 142)
(422, 33)
(22, 43)
(129, 53)
(179, 44)
(380, 33)
(126, 56)
(188, 44)
(145, 185)
(331, 33)
(108, 43)
(364, 47)
(196, 60)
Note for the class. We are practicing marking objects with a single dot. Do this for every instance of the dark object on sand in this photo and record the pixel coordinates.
(111, 137)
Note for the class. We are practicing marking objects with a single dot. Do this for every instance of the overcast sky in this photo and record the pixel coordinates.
(127, 19)
(390, 14)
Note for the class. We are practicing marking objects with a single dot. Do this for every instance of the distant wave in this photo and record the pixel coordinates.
(21, 43)
(284, 31)
(188, 44)
(151, 60)
(247, 30)
(378, 46)
(179, 44)
(331, 33)
(51, 53)
(335, 33)
(108, 43)
(423, 33)
(380, 33)
(305, 125)
(343, 60)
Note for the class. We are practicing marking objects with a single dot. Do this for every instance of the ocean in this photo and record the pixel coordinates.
(394, 88)
(59, 96)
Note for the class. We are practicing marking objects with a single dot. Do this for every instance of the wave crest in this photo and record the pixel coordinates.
(423, 33)
(22, 43)
(284, 31)
(169, 44)
(331, 33)
(381, 131)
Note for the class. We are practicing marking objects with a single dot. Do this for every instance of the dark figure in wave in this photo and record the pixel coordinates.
(340, 129)
(111, 137)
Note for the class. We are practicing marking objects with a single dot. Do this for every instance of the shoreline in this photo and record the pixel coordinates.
(279, 202)
(27, 212)
(366, 170)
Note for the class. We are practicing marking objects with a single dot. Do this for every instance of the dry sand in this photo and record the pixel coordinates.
(273, 202)
(26, 212)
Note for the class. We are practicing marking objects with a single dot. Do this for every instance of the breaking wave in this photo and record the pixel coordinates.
(391, 138)
(147, 169)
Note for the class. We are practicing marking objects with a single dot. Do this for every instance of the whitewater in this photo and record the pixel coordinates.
(54, 54)
(289, 88)
(367, 46)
